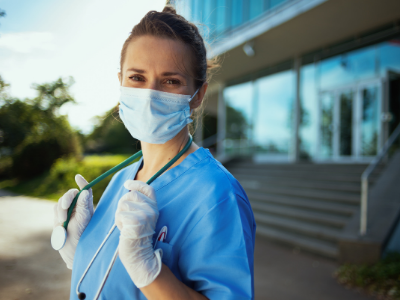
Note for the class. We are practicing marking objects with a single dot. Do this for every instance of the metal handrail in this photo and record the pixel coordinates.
(365, 175)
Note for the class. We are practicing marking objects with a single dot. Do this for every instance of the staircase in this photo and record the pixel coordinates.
(303, 205)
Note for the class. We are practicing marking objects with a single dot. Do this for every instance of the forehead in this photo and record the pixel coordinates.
(161, 54)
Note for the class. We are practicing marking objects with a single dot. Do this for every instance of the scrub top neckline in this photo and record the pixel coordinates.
(175, 172)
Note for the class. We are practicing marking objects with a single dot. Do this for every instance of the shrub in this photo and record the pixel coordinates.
(62, 175)
(382, 278)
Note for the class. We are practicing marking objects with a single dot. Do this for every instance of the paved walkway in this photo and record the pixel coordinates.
(281, 273)
(31, 269)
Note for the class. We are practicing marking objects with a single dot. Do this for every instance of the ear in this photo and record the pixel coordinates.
(120, 78)
(198, 99)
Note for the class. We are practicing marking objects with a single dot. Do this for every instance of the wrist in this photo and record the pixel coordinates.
(143, 266)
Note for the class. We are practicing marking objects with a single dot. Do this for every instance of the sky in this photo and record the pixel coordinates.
(43, 40)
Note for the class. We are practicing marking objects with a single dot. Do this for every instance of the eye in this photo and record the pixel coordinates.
(172, 81)
(137, 78)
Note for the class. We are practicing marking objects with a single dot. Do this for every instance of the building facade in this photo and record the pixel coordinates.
(300, 79)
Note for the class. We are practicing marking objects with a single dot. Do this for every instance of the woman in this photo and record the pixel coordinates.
(209, 244)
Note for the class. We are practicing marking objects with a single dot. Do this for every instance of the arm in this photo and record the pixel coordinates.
(166, 286)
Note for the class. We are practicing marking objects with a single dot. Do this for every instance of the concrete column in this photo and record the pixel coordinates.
(295, 155)
(221, 125)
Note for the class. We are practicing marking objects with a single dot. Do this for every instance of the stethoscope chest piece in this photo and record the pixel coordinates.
(58, 237)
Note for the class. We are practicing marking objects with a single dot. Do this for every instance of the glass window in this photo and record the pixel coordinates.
(327, 125)
(308, 130)
(389, 56)
(349, 67)
(274, 114)
(273, 3)
(197, 11)
(209, 18)
(256, 8)
(239, 111)
(221, 16)
(370, 121)
(237, 13)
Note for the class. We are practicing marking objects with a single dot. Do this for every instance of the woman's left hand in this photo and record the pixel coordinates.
(136, 218)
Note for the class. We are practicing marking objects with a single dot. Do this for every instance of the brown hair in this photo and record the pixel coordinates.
(169, 24)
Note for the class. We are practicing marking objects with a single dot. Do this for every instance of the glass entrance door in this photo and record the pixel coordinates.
(345, 123)
(349, 122)
(370, 102)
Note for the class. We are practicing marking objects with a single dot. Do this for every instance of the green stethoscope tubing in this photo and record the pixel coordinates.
(120, 166)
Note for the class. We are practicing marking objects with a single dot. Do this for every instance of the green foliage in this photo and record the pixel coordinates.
(61, 177)
(237, 126)
(382, 278)
(32, 132)
(51, 96)
(111, 136)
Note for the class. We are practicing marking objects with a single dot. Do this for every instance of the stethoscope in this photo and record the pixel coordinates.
(59, 235)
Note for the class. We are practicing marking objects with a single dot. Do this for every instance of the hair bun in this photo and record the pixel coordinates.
(169, 9)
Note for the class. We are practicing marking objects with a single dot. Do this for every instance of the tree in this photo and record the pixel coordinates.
(2, 13)
(111, 136)
(33, 133)
(51, 96)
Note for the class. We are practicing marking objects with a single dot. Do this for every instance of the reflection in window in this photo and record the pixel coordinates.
(308, 131)
(348, 67)
(370, 121)
(389, 56)
(239, 110)
(273, 127)
(326, 143)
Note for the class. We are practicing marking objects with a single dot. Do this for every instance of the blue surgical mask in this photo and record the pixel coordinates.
(152, 116)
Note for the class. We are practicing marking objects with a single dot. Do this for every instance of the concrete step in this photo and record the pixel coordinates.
(312, 217)
(302, 205)
(294, 226)
(338, 209)
(254, 181)
(294, 167)
(317, 195)
(311, 245)
(313, 176)
(357, 168)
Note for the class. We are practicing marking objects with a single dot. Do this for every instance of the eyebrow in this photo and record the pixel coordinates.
(163, 74)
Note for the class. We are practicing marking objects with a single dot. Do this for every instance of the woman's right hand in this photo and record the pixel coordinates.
(80, 217)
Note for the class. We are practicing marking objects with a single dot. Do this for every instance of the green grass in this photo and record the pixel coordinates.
(61, 177)
(381, 279)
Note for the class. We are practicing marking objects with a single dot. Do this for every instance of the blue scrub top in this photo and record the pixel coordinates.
(210, 240)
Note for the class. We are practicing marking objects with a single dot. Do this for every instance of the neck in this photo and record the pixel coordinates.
(156, 156)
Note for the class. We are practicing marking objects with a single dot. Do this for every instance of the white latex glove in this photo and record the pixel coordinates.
(80, 217)
(136, 218)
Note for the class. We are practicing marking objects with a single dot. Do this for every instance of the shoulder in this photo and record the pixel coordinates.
(214, 176)
(210, 185)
